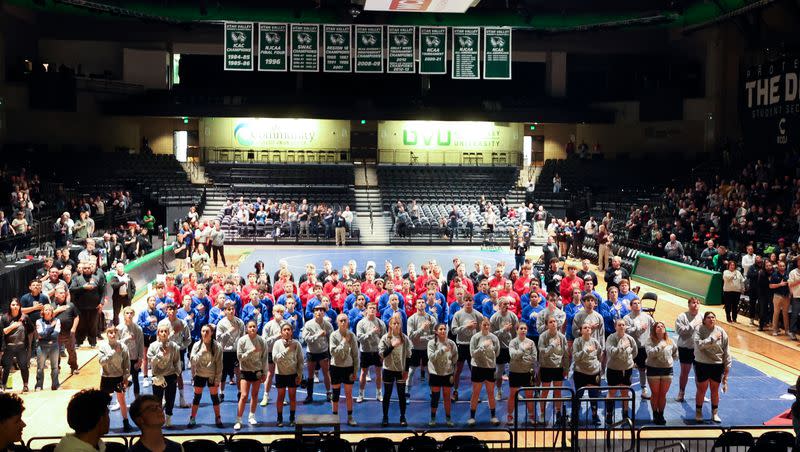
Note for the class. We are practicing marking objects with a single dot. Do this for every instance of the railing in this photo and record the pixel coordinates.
(558, 435)
(324, 156)
(353, 436)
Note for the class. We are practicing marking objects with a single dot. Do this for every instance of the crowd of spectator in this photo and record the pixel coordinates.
(292, 219)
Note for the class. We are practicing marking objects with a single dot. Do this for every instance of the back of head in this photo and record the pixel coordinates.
(86, 409)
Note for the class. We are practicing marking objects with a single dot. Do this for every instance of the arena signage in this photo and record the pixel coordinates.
(369, 48)
(297, 48)
(402, 44)
(337, 48)
(419, 6)
(441, 135)
(238, 46)
(497, 53)
(272, 47)
(770, 104)
(275, 133)
(433, 50)
(466, 51)
(305, 48)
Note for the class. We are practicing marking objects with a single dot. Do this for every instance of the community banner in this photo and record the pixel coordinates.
(770, 105)
(275, 133)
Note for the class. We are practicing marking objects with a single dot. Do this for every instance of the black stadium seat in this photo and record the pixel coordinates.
(375, 444)
(201, 445)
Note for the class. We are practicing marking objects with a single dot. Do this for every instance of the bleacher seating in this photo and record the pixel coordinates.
(279, 175)
(328, 185)
(630, 176)
(438, 189)
(445, 185)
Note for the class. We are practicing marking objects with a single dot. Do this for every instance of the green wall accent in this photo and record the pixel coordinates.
(679, 279)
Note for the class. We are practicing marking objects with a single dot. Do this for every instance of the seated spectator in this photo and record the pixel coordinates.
(148, 415)
(11, 423)
(87, 414)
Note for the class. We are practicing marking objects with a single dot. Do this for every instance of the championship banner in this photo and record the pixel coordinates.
(337, 48)
(272, 47)
(305, 48)
(238, 46)
(433, 50)
(401, 49)
(369, 48)
(770, 105)
(466, 53)
(497, 53)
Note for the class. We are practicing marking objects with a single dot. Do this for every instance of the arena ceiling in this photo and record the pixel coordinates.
(535, 15)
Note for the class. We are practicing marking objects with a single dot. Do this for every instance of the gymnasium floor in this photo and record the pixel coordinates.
(763, 366)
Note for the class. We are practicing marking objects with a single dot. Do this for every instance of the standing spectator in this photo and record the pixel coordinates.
(520, 250)
(603, 247)
(123, 290)
(673, 249)
(68, 315)
(218, 244)
(615, 273)
(86, 296)
(794, 289)
(732, 288)
(148, 222)
(340, 225)
(147, 414)
(87, 414)
(556, 183)
(11, 423)
(779, 283)
(16, 327)
(47, 328)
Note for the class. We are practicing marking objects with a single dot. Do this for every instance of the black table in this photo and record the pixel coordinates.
(14, 280)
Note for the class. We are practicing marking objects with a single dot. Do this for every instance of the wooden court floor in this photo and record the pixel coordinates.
(45, 412)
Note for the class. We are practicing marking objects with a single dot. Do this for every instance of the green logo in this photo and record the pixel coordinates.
(413, 137)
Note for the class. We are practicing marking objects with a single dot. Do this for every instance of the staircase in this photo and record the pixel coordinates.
(370, 219)
(216, 197)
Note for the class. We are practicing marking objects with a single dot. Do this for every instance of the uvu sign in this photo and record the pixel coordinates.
(449, 136)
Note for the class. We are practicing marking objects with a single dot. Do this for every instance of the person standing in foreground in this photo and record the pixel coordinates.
(484, 347)
(251, 351)
(165, 359)
(685, 326)
(442, 359)
(621, 352)
(712, 364)
(114, 372)
(395, 348)
(287, 353)
(521, 371)
(637, 325)
(661, 353)
(344, 362)
(206, 360)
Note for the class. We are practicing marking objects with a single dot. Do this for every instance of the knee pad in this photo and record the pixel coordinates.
(336, 393)
(215, 399)
(435, 399)
(196, 399)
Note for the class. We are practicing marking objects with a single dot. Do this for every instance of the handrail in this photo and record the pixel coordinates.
(671, 446)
